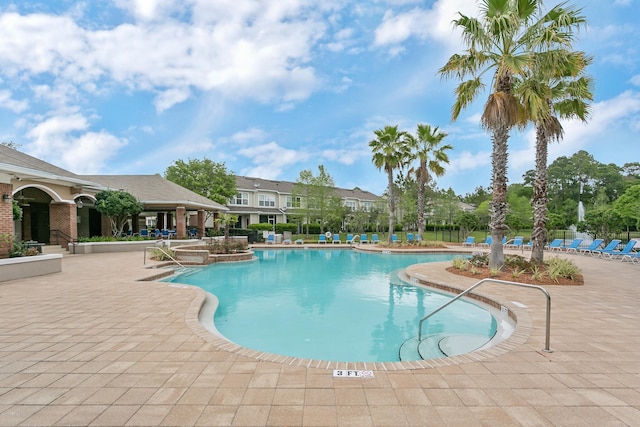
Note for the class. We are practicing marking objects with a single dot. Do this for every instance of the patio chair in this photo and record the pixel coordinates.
(592, 247)
(336, 238)
(144, 233)
(364, 238)
(514, 243)
(610, 247)
(374, 238)
(410, 238)
(394, 238)
(487, 242)
(555, 244)
(470, 241)
(571, 247)
(627, 250)
(322, 238)
(286, 237)
(271, 239)
(350, 238)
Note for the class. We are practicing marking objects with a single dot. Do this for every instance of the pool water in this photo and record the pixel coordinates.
(336, 305)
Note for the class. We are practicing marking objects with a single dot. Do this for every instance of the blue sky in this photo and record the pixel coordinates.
(275, 87)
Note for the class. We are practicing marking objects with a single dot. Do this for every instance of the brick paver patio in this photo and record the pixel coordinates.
(94, 346)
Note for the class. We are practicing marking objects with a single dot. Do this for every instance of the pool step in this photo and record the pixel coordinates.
(441, 345)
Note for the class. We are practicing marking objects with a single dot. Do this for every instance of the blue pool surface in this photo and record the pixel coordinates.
(336, 305)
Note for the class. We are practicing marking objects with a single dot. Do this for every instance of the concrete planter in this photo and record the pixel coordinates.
(29, 266)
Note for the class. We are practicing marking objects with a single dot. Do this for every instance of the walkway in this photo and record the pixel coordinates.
(93, 346)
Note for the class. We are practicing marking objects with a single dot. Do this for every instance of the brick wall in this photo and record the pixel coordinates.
(62, 216)
(181, 222)
(6, 220)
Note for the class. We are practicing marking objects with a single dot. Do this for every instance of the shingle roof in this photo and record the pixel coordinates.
(249, 184)
(156, 192)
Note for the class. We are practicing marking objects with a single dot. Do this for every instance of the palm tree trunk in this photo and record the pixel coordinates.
(392, 204)
(499, 157)
(539, 233)
(421, 188)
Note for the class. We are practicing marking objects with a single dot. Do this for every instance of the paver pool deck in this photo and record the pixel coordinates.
(93, 345)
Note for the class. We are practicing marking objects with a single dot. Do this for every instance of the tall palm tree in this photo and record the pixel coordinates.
(551, 93)
(390, 152)
(504, 42)
(427, 149)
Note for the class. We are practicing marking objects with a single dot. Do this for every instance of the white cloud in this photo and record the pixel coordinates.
(62, 140)
(469, 161)
(269, 160)
(7, 101)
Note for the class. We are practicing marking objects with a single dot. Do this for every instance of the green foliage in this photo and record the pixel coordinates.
(117, 206)
(227, 246)
(561, 268)
(17, 211)
(162, 254)
(205, 177)
(479, 259)
(461, 263)
(468, 222)
(262, 226)
(627, 206)
(282, 227)
(602, 221)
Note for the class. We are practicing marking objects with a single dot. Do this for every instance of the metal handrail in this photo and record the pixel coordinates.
(505, 282)
(164, 252)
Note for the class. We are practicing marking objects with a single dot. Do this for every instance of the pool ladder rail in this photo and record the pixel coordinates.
(413, 348)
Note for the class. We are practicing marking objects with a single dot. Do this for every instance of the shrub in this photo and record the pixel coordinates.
(479, 259)
(517, 262)
(461, 263)
(560, 267)
(226, 246)
(162, 254)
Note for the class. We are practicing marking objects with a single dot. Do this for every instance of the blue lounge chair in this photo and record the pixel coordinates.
(374, 238)
(628, 248)
(592, 247)
(514, 243)
(487, 242)
(364, 238)
(271, 238)
(144, 233)
(394, 238)
(611, 246)
(571, 247)
(322, 238)
(336, 238)
(470, 241)
(350, 238)
(410, 238)
(555, 244)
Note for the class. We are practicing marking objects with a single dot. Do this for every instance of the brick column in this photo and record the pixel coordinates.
(201, 223)
(63, 217)
(181, 222)
(7, 230)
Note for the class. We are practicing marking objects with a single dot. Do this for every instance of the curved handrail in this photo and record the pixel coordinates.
(164, 252)
(504, 282)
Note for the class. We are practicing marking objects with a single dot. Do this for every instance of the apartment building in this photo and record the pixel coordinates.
(266, 201)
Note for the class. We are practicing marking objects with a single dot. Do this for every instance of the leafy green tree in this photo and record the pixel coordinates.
(205, 177)
(316, 195)
(118, 206)
(17, 210)
(390, 152)
(468, 222)
(227, 221)
(602, 221)
(428, 149)
(504, 44)
(627, 206)
(479, 195)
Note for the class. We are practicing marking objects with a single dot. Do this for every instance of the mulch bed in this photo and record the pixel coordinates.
(483, 273)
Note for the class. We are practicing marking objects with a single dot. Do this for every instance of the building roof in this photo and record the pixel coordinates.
(23, 166)
(250, 184)
(156, 192)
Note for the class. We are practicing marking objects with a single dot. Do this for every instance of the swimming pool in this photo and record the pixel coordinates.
(336, 305)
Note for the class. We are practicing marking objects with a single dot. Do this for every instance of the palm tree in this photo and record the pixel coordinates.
(390, 152)
(549, 94)
(431, 155)
(504, 41)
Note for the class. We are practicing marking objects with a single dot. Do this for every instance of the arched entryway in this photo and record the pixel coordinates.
(35, 224)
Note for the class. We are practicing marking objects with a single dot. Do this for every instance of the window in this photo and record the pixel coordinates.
(367, 206)
(266, 200)
(293, 203)
(350, 204)
(240, 199)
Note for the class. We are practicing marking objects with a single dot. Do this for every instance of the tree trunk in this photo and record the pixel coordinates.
(499, 157)
(392, 205)
(539, 233)
(422, 183)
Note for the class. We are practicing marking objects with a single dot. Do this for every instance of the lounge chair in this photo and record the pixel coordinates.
(286, 237)
(410, 238)
(336, 238)
(555, 244)
(610, 247)
(271, 238)
(514, 243)
(487, 242)
(374, 238)
(470, 241)
(571, 247)
(394, 238)
(364, 238)
(322, 238)
(627, 250)
(350, 238)
(592, 247)
(144, 233)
